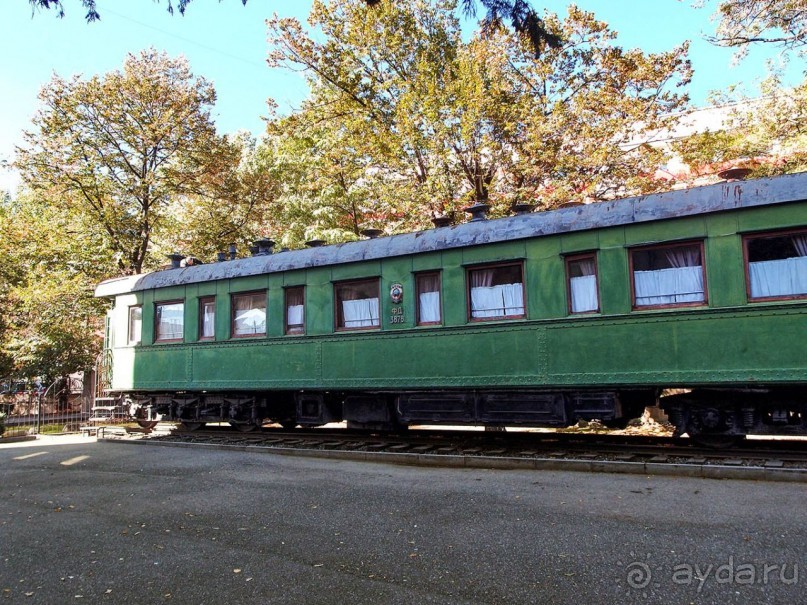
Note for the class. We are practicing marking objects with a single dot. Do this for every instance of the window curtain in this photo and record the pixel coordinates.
(781, 277)
(494, 301)
(295, 308)
(668, 286)
(429, 299)
(358, 312)
(584, 288)
(681, 283)
(208, 320)
(169, 321)
(250, 315)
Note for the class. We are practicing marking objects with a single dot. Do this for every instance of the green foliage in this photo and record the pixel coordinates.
(119, 149)
(92, 12)
(745, 22)
(51, 318)
(767, 135)
(405, 120)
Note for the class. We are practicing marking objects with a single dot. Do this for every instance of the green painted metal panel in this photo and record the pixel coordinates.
(725, 274)
(682, 348)
(166, 365)
(666, 231)
(545, 287)
(294, 278)
(248, 284)
(477, 357)
(427, 262)
(581, 241)
(284, 363)
(722, 224)
(774, 217)
(356, 271)
(147, 334)
(402, 315)
(614, 281)
(319, 302)
(455, 304)
(494, 253)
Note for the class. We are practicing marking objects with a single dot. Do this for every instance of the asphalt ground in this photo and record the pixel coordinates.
(105, 522)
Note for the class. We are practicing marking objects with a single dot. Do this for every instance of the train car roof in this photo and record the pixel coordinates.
(724, 196)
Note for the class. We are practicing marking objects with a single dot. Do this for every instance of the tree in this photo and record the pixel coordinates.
(521, 15)
(52, 321)
(119, 149)
(745, 22)
(431, 124)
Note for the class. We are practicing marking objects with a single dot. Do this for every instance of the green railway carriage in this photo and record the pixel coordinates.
(537, 319)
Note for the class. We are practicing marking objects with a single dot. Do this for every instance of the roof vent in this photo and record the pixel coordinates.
(371, 233)
(734, 174)
(221, 257)
(232, 250)
(520, 208)
(478, 212)
(441, 221)
(315, 243)
(262, 246)
(176, 259)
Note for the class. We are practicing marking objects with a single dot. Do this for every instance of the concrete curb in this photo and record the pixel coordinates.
(706, 471)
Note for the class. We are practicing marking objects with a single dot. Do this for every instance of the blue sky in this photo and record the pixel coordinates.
(226, 43)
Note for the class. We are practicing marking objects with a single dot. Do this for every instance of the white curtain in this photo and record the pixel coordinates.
(584, 287)
(584, 293)
(362, 313)
(783, 277)
(294, 315)
(208, 320)
(800, 243)
(170, 321)
(295, 308)
(669, 286)
(250, 315)
(428, 298)
(504, 300)
(429, 307)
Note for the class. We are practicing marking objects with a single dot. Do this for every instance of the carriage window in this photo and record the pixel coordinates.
(207, 318)
(428, 298)
(169, 320)
(776, 265)
(581, 272)
(135, 325)
(668, 276)
(295, 310)
(249, 314)
(357, 305)
(496, 292)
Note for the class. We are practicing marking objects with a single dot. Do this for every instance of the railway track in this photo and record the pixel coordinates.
(753, 459)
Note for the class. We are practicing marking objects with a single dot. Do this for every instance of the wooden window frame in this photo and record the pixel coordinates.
(438, 275)
(203, 300)
(336, 312)
(287, 330)
(677, 244)
(233, 296)
(157, 305)
(129, 340)
(762, 235)
(578, 256)
(496, 265)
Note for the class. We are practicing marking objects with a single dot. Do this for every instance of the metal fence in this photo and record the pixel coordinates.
(62, 407)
